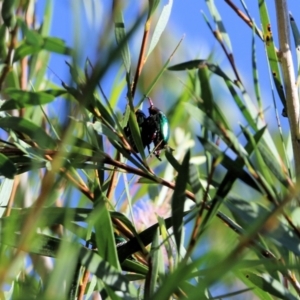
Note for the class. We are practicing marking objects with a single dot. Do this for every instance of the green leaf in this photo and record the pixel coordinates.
(195, 183)
(228, 163)
(23, 50)
(269, 164)
(249, 112)
(35, 132)
(37, 70)
(202, 118)
(101, 128)
(271, 50)
(136, 135)
(135, 267)
(173, 280)
(145, 236)
(8, 13)
(246, 213)
(178, 199)
(27, 285)
(121, 38)
(41, 244)
(7, 168)
(229, 295)
(270, 285)
(51, 216)
(20, 99)
(56, 45)
(161, 71)
(219, 23)
(3, 46)
(296, 35)
(160, 26)
(273, 165)
(104, 110)
(152, 275)
(46, 25)
(255, 73)
(193, 292)
(104, 233)
(172, 160)
(32, 37)
(153, 4)
(189, 65)
(206, 92)
(106, 272)
(51, 44)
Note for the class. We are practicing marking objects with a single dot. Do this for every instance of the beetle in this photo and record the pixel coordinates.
(141, 119)
(154, 128)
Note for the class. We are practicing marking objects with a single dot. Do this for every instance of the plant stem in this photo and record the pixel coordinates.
(292, 99)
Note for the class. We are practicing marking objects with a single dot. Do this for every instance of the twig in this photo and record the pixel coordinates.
(12, 196)
(82, 286)
(229, 56)
(244, 18)
(141, 61)
(292, 99)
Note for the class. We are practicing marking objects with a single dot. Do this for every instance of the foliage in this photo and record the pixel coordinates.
(73, 189)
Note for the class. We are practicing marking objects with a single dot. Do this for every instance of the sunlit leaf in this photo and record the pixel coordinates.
(160, 26)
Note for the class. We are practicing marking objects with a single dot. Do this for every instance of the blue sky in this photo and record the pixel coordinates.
(79, 23)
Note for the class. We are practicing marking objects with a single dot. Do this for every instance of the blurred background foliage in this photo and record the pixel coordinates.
(85, 216)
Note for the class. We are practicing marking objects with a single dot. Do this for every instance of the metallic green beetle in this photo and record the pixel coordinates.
(154, 128)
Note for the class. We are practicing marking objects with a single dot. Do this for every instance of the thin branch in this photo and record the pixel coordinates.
(141, 61)
(82, 286)
(245, 18)
(292, 99)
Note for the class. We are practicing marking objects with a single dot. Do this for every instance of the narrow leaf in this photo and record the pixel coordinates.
(270, 285)
(20, 99)
(106, 272)
(160, 26)
(153, 4)
(8, 13)
(271, 50)
(104, 234)
(152, 274)
(189, 65)
(219, 23)
(296, 35)
(35, 132)
(178, 199)
(121, 38)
